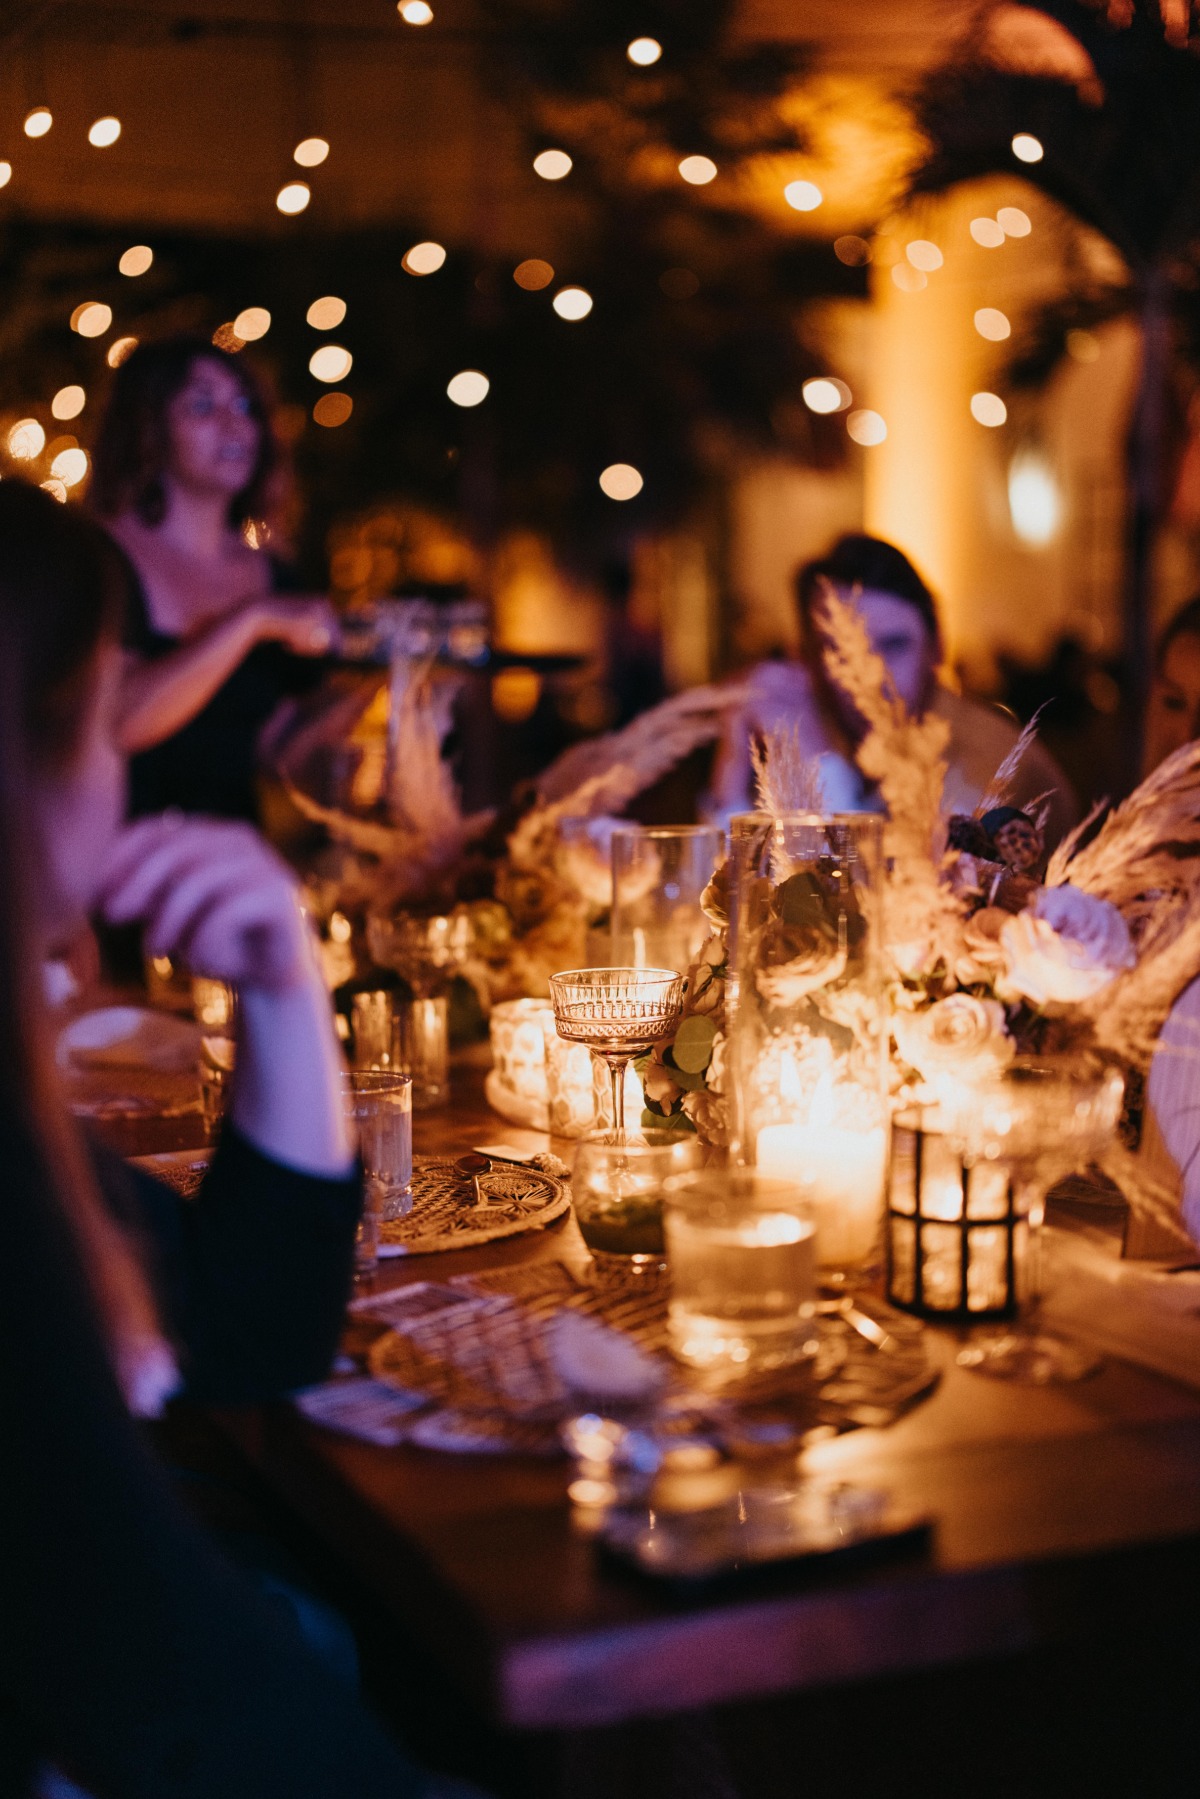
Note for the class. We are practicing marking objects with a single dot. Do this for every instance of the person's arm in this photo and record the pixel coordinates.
(159, 697)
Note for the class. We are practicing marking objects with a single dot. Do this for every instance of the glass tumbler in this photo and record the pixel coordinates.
(617, 1192)
(659, 873)
(378, 1104)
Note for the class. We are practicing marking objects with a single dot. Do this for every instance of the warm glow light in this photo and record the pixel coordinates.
(866, 428)
(988, 232)
(1083, 346)
(119, 350)
(1034, 502)
(424, 259)
(988, 409)
(68, 402)
(855, 252)
(415, 12)
(310, 152)
(1027, 148)
(803, 196)
(252, 323)
(572, 302)
(56, 489)
(38, 122)
(643, 51)
(1013, 222)
(468, 388)
(5, 173)
(92, 319)
(325, 315)
(330, 362)
(104, 132)
(333, 409)
(26, 439)
(533, 274)
(924, 255)
(293, 197)
(908, 279)
(621, 481)
(698, 171)
(993, 324)
(824, 394)
(136, 260)
(70, 466)
(552, 165)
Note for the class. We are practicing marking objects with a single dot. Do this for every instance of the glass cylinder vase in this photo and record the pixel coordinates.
(659, 873)
(807, 1021)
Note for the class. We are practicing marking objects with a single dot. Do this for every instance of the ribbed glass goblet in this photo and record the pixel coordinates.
(619, 1013)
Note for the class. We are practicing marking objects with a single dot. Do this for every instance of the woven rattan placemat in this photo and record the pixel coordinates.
(444, 1215)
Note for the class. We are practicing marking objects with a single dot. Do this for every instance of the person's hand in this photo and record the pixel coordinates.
(213, 895)
(305, 625)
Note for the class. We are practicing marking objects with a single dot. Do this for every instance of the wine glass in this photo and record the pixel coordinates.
(619, 1013)
(1044, 1118)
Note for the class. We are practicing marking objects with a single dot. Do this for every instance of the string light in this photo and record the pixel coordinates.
(987, 232)
(993, 324)
(698, 171)
(533, 274)
(38, 122)
(621, 481)
(252, 323)
(988, 409)
(1013, 222)
(855, 252)
(572, 303)
(68, 402)
(1027, 148)
(5, 173)
(415, 12)
(423, 259)
(924, 255)
(824, 393)
(866, 428)
(56, 489)
(310, 152)
(119, 350)
(92, 319)
(644, 51)
(136, 260)
(803, 196)
(333, 409)
(293, 197)
(26, 439)
(325, 315)
(330, 363)
(1034, 501)
(70, 466)
(908, 279)
(104, 132)
(468, 388)
(552, 165)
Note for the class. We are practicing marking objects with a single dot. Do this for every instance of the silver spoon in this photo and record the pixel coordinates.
(472, 1166)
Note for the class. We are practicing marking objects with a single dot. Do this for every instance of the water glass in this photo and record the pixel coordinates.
(617, 1191)
(217, 1057)
(741, 1251)
(378, 1103)
(659, 873)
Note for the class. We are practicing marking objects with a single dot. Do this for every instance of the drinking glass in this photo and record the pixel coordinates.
(619, 1013)
(741, 1250)
(658, 876)
(1046, 1117)
(218, 1056)
(378, 1103)
(617, 1192)
(427, 950)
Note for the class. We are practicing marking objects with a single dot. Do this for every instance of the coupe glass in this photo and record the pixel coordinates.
(1046, 1117)
(619, 1013)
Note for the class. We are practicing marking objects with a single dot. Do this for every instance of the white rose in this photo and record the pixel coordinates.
(1063, 949)
(959, 1037)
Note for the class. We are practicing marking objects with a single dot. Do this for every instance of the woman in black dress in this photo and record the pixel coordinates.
(132, 1655)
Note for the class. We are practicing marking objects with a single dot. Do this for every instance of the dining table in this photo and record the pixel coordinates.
(1064, 1523)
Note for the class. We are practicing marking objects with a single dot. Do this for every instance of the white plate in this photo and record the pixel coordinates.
(129, 1037)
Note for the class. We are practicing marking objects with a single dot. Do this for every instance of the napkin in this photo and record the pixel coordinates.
(364, 1408)
(598, 1362)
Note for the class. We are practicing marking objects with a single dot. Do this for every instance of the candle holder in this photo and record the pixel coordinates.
(807, 1025)
(956, 1241)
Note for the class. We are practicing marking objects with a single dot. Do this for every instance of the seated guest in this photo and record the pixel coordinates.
(901, 617)
(1173, 712)
(133, 1657)
(184, 458)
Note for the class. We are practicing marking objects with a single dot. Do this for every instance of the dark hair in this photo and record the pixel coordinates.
(857, 560)
(130, 453)
(994, 821)
(1186, 623)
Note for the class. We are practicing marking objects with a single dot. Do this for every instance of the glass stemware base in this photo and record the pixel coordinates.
(1033, 1357)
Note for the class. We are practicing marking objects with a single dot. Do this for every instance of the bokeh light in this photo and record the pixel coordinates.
(333, 409)
(38, 122)
(25, 440)
(252, 323)
(415, 12)
(866, 428)
(572, 303)
(803, 196)
(119, 349)
(533, 274)
(1034, 500)
(293, 197)
(993, 324)
(92, 319)
(1013, 222)
(226, 338)
(552, 165)
(68, 402)
(1027, 148)
(824, 393)
(326, 314)
(310, 152)
(924, 255)
(698, 171)
(5, 173)
(644, 51)
(988, 409)
(855, 252)
(468, 388)
(136, 260)
(621, 481)
(1083, 346)
(423, 259)
(70, 466)
(104, 132)
(55, 488)
(987, 232)
(330, 363)
(908, 279)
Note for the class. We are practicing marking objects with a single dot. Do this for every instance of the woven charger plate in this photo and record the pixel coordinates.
(444, 1215)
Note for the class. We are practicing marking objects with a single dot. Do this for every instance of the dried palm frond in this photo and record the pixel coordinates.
(1147, 852)
(1001, 784)
(785, 779)
(1127, 1016)
(1149, 1197)
(617, 767)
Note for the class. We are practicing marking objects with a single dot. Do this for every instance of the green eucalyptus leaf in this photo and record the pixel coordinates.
(693, 1046)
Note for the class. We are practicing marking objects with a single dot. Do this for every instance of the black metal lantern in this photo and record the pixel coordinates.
(955, 1243)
